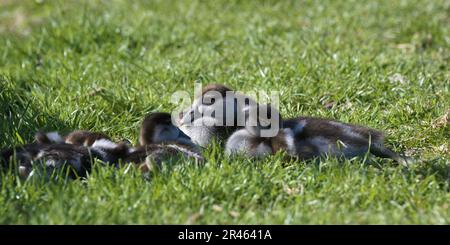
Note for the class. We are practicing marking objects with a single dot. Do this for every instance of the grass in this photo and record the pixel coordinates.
(103, 65)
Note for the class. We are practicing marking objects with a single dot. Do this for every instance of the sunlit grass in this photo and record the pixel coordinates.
(103, 65)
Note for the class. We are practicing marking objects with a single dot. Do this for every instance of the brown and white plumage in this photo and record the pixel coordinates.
(160, 138)
(308, 137)
(317, 136)
(250, 140)
(46, 159)
(77, 137)
(157, 128)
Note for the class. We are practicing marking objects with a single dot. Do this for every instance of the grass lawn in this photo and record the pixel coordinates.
(103, 65)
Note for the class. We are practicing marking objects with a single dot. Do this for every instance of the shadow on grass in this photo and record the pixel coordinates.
(437, 167)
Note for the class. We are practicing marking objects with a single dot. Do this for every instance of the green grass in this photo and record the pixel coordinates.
(384, 64)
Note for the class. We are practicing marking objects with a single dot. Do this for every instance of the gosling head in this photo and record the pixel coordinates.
(158, 128)
(214, 114)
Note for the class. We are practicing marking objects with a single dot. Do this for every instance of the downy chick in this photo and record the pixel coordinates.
(50, 153)
(251, 141)
(160, 140)
(315, 137)
(157, 128)
(207, 118)
(306, 138)
(102, 144)
(46, 159)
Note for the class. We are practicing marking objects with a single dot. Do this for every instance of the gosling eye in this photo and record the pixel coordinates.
(208, 100)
